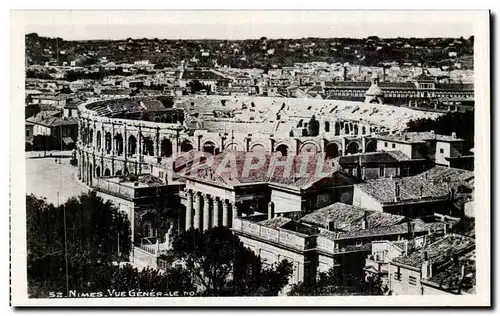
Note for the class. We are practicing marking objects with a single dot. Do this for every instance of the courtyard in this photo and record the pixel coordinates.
(45, 178)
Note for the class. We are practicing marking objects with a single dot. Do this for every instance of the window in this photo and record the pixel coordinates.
(441, 150)
(412, 280)
(397, 274)
(393, 145)
(381, 171)
(27, 133)
(160, 174)
(385, 144)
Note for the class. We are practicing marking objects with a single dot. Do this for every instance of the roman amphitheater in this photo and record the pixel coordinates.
(130, 136)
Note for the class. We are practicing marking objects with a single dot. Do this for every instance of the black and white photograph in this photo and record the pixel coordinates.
(264, 158)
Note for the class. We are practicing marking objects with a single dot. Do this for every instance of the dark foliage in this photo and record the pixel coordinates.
(85, 234)
(221, 266)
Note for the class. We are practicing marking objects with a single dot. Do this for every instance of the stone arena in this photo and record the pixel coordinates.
(114, 139)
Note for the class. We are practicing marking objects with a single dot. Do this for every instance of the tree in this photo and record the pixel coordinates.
(326, 285)
(218, 262)
(197, 86)
(75, 242)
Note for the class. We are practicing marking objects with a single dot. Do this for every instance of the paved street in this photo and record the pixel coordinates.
(45, 177)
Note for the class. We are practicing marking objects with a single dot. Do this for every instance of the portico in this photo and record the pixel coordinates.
(204, 211)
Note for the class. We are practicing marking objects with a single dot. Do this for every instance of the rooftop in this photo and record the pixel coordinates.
(228, 168)
(439, 251)
(374, 157)
(414, 188)
(418, 137)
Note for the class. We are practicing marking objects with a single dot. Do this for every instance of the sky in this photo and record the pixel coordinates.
(87, 25)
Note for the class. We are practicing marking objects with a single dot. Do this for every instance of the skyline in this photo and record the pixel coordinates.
(240, 25)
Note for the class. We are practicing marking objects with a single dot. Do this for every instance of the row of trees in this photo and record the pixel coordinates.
(82, 244)
(79, 245)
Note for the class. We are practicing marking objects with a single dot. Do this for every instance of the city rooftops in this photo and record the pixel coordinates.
(419, 137)
(458, 277)
(438, 252)
(411, 189)
(348, 219)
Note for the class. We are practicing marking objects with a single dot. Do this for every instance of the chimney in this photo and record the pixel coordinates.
(270, 210)
(364, 223)
(411, 229)
(397, 193)
(454, 135)
(331, 226)
(426, 267)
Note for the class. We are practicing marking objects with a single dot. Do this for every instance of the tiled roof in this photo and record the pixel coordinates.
(53, 121)
(385, 230)
(275, 222)
(374, 157)
(233, 175)
(439, 251)
(340, 213)
(349, 218)
(460, 276)
(455, 86)
(411, 189)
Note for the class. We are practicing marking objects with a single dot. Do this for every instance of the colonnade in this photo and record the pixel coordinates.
(204, 211)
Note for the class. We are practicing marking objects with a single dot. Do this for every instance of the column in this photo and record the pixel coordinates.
(189, 209)
(206, 211)
(197, 210)
(225, 213)
(216, 207)
(125, 143)
(234, 210)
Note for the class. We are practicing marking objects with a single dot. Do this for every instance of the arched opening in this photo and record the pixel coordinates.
(107, 173)
(309, 148)
(363, 130)
(352, 148)
(107, 142)
(186, 146)
(300, 123)
(356, 130)
(258, 148)
(337, 129)
(91, 136)
(132, 145)
(118, 173)
(209, 147)
(98, 171)
(148, 147)
(327, 127)
(371, 146)
(283, 149)
(166, 148)
(99, 136)
(347, 130)
(332, 150)
(233, 147)
(119, 144)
